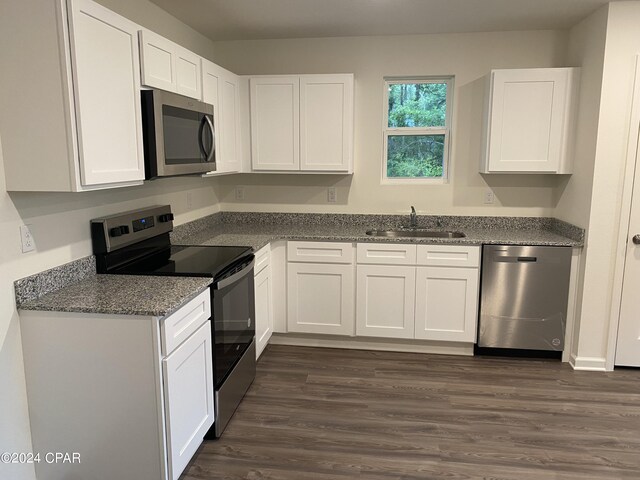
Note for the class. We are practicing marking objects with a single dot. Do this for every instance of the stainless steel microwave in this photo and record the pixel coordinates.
(178, 135)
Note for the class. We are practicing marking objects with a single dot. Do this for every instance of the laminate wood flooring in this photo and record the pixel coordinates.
(331, 414)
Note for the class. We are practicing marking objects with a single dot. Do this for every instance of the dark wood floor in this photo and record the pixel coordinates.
(325, 414)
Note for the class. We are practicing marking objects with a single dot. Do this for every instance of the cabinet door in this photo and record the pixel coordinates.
(447, 304)
(385, 301)
(211, 87)
(188, 397)
(326, 122)
(106, 75)
(188, 73)
(158, 64)
(528, 109)
(275, 123)
(320, 298)
(230, 115)
(264, 309)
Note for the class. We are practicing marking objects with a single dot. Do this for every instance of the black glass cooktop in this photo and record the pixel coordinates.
(185, 260)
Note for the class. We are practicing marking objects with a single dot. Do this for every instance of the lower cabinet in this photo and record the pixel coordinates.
(320, 298)
(428, 293)
(403, 291)
(446, 303)
(385, 298)
(188, 398)
(131, 395)
(264, 308)
(320, 288)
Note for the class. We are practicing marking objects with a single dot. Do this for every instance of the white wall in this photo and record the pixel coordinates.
(60, 226)
(586, 50)
(613, 133)
(467, 56)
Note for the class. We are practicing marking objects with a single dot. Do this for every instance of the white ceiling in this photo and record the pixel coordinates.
(261, 19)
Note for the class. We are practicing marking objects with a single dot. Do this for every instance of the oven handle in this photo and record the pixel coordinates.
(235, 277)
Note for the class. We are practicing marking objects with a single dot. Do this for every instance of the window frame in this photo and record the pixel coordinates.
(417, 131)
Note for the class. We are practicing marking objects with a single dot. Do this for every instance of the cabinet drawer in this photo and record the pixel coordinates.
(178, 326)
(386, 254)
(320, 252)
(263, 259)
(449, 255)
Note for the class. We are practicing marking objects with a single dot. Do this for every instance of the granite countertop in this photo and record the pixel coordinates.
(243, 232)
(155, 296)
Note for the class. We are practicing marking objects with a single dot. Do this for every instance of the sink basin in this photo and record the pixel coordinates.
(415, 233)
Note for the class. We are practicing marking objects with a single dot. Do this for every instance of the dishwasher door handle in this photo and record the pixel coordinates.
(511, 259)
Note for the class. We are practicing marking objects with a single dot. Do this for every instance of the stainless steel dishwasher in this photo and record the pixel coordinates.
(524, 294)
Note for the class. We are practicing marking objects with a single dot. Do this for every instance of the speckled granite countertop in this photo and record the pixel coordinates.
(256, 230)
(122, 295)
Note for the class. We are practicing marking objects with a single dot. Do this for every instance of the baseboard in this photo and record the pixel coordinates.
(593, 364)
(387, 345)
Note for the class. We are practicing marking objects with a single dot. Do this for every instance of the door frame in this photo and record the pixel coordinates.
(625, 218)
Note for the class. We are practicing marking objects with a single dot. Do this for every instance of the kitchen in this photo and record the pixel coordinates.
(603, 43)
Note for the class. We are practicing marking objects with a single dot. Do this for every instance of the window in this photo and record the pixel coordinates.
(416, 129)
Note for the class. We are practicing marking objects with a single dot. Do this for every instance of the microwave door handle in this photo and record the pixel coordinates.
(209, 123)
(203, 151)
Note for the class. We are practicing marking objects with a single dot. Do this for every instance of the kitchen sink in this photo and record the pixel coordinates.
(415, 233)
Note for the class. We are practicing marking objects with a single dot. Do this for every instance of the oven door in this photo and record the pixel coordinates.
(179, 135)
(233, 319)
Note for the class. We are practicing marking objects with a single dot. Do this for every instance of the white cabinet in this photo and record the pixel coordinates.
(275, 123)
(79, 128)
(168, 66)
(529, 122)
(446, 304)
(326, 122)
(263, 298)
(385, 301)
(230, 118)
(137, 389)
(427, 292)
(320, 296)
(302, 123)
(220, 89)
(188, 395)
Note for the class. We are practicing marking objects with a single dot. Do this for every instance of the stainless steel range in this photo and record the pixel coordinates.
(137, 243)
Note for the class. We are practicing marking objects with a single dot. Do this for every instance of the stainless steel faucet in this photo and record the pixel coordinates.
(413, 223)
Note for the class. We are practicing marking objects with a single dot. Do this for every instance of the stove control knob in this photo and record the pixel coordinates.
(117, 231)
(165, 217)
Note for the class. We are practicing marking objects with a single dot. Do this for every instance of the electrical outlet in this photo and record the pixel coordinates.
(28, 245)
(489, 196)
(239, 192)
(332, 195)
(189, 200)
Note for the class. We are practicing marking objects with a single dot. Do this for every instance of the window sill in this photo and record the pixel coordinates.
(414, 181)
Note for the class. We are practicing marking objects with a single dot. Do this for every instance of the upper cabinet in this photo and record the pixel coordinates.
(168, 66)
(79, 126)
(275, 123)
(220, 89)
(529, 120)
(302, 123)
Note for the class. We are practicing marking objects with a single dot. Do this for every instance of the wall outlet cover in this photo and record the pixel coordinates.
(239, 192)
(28, 244)
(489, 197)
(332, 195)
